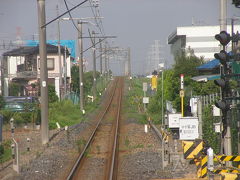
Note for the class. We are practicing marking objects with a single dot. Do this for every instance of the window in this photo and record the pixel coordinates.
(50, 63)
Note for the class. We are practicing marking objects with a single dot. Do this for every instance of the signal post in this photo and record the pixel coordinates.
(224, 104)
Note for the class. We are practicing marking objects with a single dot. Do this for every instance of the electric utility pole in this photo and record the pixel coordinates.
(223, 15)
(43, 71)
(100, 42)
(129, 63)
(105, 61)
(59, 57)
(80, 46)
(94, 66)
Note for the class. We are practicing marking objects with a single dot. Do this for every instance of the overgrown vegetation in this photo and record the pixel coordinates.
(5, 151)
(133, 102)
(187, 65)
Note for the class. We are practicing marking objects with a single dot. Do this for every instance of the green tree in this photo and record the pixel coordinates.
(2, 102)
(186, 64)
(87, 80)
(14, 89)
(75, 78)
(52, 96)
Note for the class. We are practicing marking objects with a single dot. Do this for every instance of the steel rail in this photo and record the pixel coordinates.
(159, 135)
(115, 144)
(74, 168)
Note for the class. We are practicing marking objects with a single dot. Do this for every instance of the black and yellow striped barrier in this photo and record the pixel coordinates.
(230, 176)
(221, 170)
(164, 135)
(201, 164)
(226, 158)
(192, 149)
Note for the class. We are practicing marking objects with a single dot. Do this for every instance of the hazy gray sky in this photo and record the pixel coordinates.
(137, 23)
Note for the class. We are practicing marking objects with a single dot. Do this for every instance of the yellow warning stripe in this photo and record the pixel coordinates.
(204, 166)
(230, 176)
(220, 171)
(227, 158)
(192, 149)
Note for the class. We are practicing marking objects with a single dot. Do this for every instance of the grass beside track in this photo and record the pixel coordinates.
(133, 106)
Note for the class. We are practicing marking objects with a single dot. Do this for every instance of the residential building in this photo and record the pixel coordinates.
(201, 39)
(22, 66)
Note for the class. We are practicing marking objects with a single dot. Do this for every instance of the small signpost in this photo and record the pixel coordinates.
(188, 128)
(145, 99)
(144, 87)
(173, 120)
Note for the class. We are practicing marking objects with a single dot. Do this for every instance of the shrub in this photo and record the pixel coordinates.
(52, 96)
(65, 113)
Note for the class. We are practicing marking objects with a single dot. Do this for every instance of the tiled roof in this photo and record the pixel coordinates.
(26, 50)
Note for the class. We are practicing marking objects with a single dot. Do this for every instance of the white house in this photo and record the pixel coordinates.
(22, 66)
(201, 39)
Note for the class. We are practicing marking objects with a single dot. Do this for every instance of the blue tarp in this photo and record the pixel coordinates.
(209, 65)
(70, 44)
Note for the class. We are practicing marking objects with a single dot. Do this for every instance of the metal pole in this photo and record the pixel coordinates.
(199, 112)
(105, 61)
(108, 68)
(65, 70)
(43, 72)
(80, 46)
(162, 101)
(144, 104)
(2, 75)
(59, 58)
(105, 64)
(223, 14)
(232, 29)
(100, 57)
(94, 67)
(227, 139)
(129, 63)
(101, 65)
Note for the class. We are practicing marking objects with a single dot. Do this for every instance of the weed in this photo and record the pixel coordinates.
(149, 145)
(111, 118)
(98, 149)
(127, 142)
(80, 144)
(86, 153)
(138, 146)
(38, 154)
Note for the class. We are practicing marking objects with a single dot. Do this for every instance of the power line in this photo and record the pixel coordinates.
(95, 15)
(63, 14)
(70, 15)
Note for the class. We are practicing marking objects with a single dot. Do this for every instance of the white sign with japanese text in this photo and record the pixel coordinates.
(188, 128)
(173, 120)
(145, 100)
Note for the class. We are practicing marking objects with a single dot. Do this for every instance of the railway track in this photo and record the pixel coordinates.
(98, 160)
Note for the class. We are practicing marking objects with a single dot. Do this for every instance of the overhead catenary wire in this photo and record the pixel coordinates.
(64, 13)
(70, 15)
(95, 17)
(94, 44)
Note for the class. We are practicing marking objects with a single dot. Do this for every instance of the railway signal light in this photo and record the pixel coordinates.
(223, 57)
(236, 3)
(224, 38)
(220, 82)
(223, 105)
